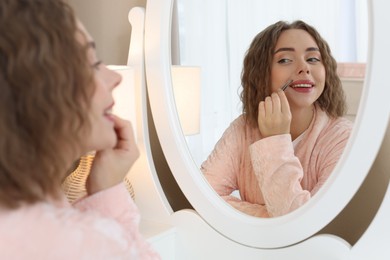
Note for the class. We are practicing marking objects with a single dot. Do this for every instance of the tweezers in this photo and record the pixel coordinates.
(283, 88)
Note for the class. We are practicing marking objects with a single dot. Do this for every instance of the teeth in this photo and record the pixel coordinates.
(302, 86)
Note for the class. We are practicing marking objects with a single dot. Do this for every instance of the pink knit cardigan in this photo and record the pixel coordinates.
(101, 226)
(272, 176)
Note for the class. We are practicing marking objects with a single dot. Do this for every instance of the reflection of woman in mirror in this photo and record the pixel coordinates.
(286, 144)
(55, 103)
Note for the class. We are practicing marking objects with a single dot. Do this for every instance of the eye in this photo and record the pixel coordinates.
(97, 64)
(284, 61)
(313, 60)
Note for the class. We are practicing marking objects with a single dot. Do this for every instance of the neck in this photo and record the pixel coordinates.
(301, 119)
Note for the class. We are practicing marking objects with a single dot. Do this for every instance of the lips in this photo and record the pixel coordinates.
(108, 111)
(302, 86)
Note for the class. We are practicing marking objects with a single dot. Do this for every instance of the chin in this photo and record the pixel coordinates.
(103, 142)
(109, 143)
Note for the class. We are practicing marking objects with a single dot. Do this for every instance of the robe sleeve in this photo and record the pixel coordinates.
(279, 173)
(222, 166)
(110, 226)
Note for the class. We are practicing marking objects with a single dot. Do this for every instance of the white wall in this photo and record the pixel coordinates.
(107, 22)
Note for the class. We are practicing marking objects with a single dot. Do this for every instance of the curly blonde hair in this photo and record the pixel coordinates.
(256, 72)
(46, 85)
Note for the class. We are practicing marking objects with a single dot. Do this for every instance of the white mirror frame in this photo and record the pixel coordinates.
(370, 126)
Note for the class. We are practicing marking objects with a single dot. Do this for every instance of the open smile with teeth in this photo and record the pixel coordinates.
(302, 86)
(108, 112)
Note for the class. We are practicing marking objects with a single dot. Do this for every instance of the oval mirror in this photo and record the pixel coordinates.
(336, 192)
(216, 41)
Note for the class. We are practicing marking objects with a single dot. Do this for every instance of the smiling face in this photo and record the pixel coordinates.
(102, 134)
(297, 57)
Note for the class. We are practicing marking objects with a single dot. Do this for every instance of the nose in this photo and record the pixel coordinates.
(112, 78)
(117, 79)
(303, 68)
(303, 71)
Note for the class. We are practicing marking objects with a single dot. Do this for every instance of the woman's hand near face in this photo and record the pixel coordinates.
(274, 115)
(110, 166)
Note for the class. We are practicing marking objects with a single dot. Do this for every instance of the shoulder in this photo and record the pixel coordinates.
(339, 125)
(330, 125)
(239, 131)
(335, 133)
(45, 231)
(240, 124)
(61, 220)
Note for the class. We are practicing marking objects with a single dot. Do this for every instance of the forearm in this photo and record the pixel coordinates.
(251, 209)
(116, 204)
(279, 174)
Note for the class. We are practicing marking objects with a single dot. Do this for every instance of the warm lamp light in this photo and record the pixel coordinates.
(186, 88)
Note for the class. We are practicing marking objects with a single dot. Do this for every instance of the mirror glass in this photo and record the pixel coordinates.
(336, 192)
(215, 35)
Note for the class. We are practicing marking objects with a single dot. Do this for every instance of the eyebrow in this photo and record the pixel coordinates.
(292, 49)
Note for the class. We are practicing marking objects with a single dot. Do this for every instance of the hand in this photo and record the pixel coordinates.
(274, 115)
(110, 166)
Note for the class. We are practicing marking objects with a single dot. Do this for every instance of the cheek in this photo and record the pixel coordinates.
(279, 77)
(320, 74)
(96, 108)
(278, 81)
(275, 86)
(99, 98)
(275, 80)
(320, 81)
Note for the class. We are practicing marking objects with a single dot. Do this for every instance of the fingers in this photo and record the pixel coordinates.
(268, 106)
(261, 109)
(125, 134)
(126, 139)
(284, 105)
(111, 165)
(271, 105)
(275, 103)
(274, 116)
